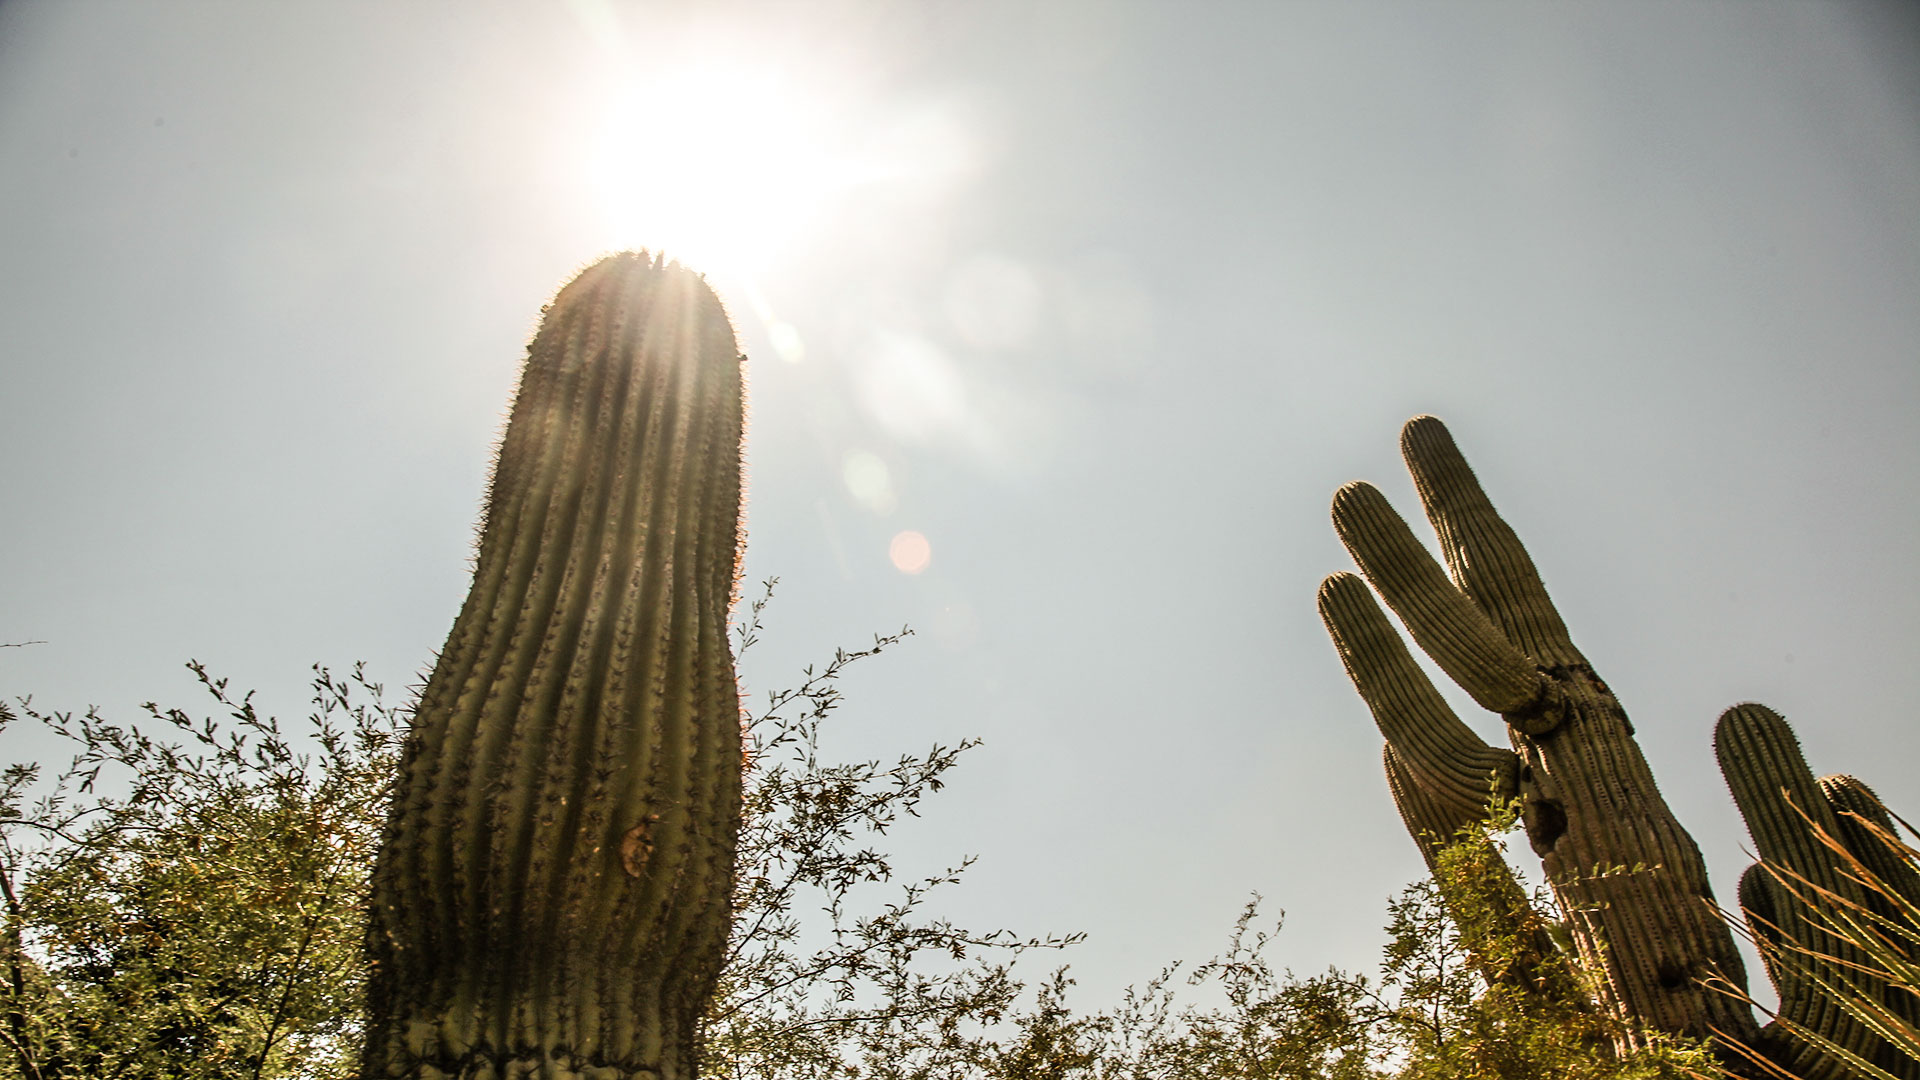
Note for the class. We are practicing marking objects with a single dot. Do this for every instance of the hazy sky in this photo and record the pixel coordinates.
(1102, 299)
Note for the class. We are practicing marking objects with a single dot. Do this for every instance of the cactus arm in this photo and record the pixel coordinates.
(1432, 819)
(551, 897)
(1632, 882)
(1866, 829)
(1761, 909)
(1444, 621)
(1446, 768)
(1776, 793)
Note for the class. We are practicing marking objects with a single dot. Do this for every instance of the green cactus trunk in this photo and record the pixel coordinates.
(552, 895)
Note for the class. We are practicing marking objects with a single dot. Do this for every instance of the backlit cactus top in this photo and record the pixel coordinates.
(551, 898)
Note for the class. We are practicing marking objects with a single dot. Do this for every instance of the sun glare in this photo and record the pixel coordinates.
(721, 166)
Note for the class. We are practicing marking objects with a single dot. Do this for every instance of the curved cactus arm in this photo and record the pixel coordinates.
(1851, 795)
(1784, 1048)
(1484, 555)
(552, 893)
(1761, 908)
(1449, 773)
(1629, 877)
(1445, 622)
(1775, 791)
(1433, 820)
(1867, 830)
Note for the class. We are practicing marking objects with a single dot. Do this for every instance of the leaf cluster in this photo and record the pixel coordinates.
(1489, 989)
(835, 966)
(206, 923)
(1432, 1013)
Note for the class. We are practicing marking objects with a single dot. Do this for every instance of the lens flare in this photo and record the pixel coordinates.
(869, 481)
(726, 159)
(718, 165)
(910, 552)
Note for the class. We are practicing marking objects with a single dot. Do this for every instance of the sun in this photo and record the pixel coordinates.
(720, 165)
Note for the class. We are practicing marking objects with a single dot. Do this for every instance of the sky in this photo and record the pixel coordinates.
(1102, 300)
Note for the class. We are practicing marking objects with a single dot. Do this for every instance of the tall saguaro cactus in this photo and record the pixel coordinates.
(1620, 864)
(551, 897)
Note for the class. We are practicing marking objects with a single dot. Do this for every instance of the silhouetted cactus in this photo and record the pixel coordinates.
(551, 897)
(1628, 875)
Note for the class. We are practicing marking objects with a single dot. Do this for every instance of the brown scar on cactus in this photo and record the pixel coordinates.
(636, 845)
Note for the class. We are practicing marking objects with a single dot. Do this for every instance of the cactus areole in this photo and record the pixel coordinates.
(552, 894)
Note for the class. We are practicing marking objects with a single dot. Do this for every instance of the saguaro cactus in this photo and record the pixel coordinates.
(551, 897)
(1630, 877)
(1813, 907)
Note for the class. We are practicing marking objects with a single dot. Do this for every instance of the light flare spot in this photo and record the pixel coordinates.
(869, 481)
(910, 552)
(786, 342)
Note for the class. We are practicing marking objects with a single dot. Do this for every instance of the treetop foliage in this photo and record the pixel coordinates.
(208, 922)
(186, 898)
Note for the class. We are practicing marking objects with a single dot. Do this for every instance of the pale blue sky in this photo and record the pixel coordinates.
(1105, 301)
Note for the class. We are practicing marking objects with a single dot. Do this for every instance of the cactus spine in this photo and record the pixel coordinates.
(1620, 864)
(551, 897)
